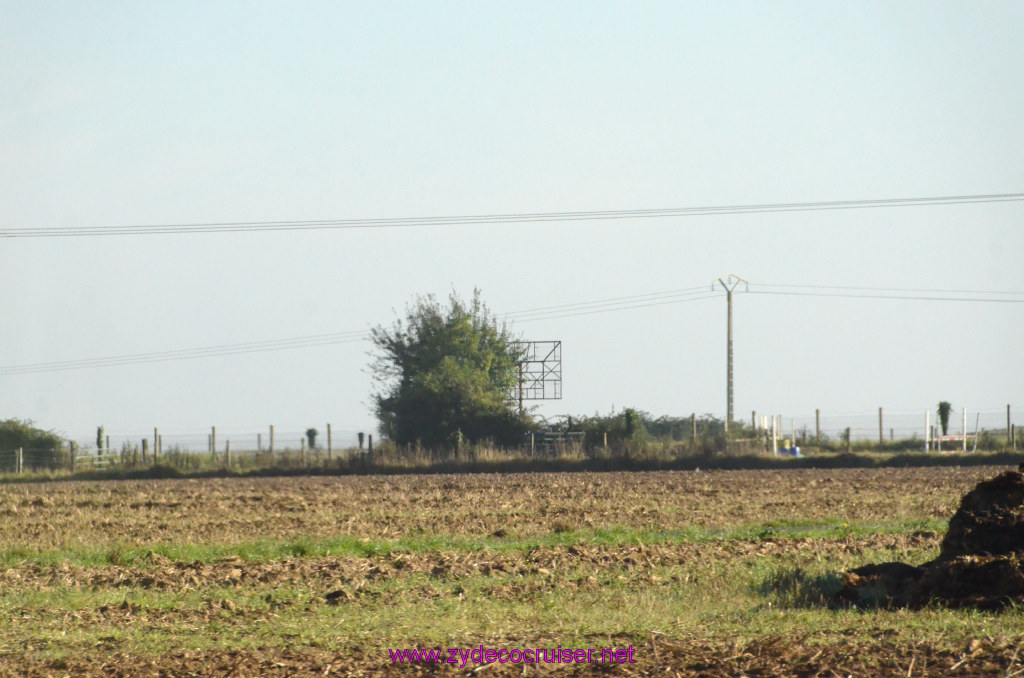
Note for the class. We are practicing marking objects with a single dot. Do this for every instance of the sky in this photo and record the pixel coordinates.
(126, 113)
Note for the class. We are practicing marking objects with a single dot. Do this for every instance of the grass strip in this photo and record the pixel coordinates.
(268, 550)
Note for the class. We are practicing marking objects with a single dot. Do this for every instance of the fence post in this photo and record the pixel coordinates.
(1013, 436)
(361, 436)
(19, 461)
(849, 448)
(156, 443)
(329, 447)
(227, 454)
(213, 440)
(753, 419)
(71, 450)
(145, 450)
(107, 445)
(881, 435)
(775, 437)
(271, 448)
(370, 449)
(964, 431)
(927, 431)
(817, 426)
(302, 442)
(693, 428)
(1009, 425)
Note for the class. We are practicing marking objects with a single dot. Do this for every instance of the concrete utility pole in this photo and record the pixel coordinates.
(729, 283)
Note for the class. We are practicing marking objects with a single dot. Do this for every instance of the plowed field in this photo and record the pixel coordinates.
(718, 573)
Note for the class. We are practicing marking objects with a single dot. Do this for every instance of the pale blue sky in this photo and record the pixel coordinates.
(176, 112)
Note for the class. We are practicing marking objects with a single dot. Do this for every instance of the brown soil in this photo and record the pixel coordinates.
(773, 656)
(86, 515)
(322, 573)
(981, 563)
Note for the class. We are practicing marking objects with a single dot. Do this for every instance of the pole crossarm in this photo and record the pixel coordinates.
(730, 282)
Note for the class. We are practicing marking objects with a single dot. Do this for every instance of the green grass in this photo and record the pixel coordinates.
(737, 600)
(266, 550)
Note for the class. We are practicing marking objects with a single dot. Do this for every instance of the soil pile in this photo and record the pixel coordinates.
(981, 563)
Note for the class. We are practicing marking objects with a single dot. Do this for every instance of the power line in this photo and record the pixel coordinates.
(611, 304)
(189, 353)
(890, 296)
(486, 219)
(542, 313)
(608, 305)
(884, 289)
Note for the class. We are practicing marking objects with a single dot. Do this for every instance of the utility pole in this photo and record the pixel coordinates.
(729, 283)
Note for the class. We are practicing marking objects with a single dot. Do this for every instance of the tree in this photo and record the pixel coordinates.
(23, 433)
(944, 410)
(311, 434)
(45, 447)
(445, 374)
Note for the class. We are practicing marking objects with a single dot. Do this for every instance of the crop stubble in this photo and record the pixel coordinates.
(256, 600)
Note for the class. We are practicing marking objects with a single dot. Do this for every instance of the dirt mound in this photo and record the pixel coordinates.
(990, 520)
(981, 563)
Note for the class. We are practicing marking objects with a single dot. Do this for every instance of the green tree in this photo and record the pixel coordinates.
(311, 434)
(99, 439)
(44, 448)
(944, 410)
(445, 374)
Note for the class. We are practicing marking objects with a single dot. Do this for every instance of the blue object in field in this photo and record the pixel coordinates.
(792, 451)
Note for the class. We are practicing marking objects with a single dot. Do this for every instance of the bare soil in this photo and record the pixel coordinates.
(69, 515)
(981, 562)
(58, 516)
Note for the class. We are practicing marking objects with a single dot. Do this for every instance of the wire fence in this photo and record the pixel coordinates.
(891, 425)
(989, 429)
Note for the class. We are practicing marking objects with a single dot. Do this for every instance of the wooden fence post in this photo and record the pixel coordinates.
(145, 450)
(329, 448)
(213, 440)
(693, 429)
(817, 426)
(271, 448)
(881, 435)
(849, 447)
(371, 445)
(19, 461)
(227, 454)
(156, 443)
(302, 443)
(361, 437)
